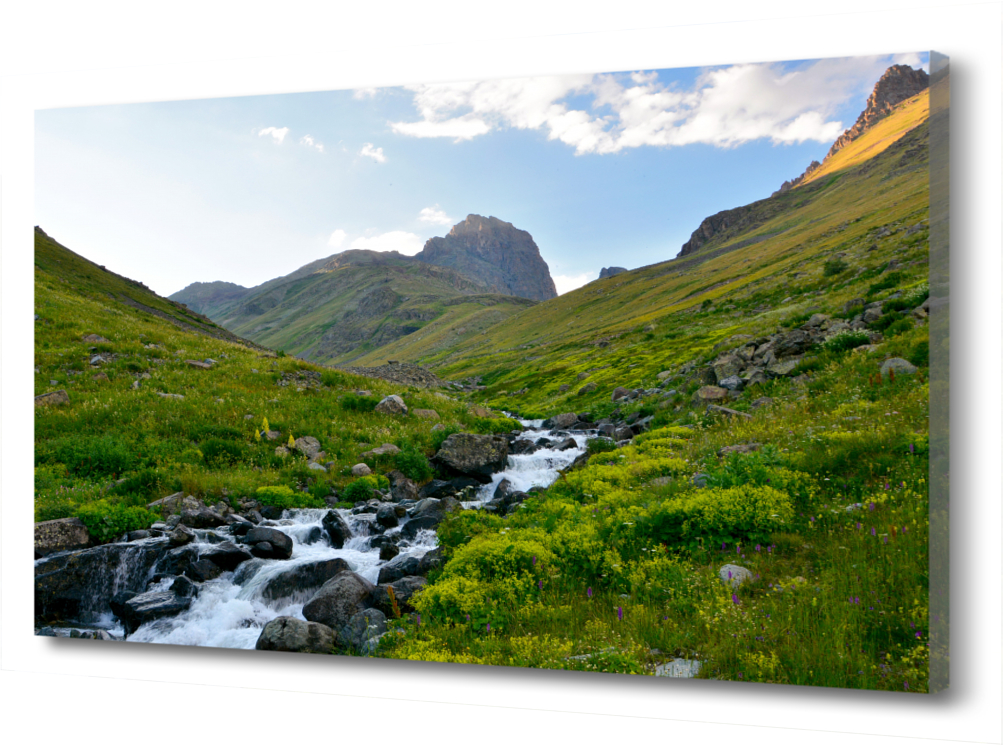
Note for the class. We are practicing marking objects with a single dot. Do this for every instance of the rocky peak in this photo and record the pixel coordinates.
(611, 271)
(896, 85)
(494, 252)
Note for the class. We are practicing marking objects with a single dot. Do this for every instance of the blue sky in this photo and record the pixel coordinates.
(603, 170)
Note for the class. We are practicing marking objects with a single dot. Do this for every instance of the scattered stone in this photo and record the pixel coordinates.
(899, 366)
(337, 528)
(363, 631)
(308, 446)
(560, 421)
(619, 393)
(763, 401)
(715, 409)
(779, 370)
(198, 364)
(170, 396)
(426, 414)
(280, 545)
(679, 668)
(300, 582)
(710, 393)
(94, 339)
(181, 535)
(743, 448)
(588, 388)
(361, 470)
(392, 404)
(52, 398)
(314, 466)
(387, 449)
(290, 635)
(227, 555)
(732, 383)
(734, 575)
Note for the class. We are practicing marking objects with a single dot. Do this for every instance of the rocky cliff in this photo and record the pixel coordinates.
(611, 271)
(494, 252)
(897, 84)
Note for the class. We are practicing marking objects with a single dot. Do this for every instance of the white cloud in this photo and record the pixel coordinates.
(310, 142)
(361, 93)
(566, 283)
(405, 243)
(375, 153)
(278, 133)
(912, 59)
(337, 238)
(725, 107)
(435, 216)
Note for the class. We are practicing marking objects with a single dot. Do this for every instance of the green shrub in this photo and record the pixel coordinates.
(284, 498)
(600, 445)
(106, 522)
(742, 514)
(920, 354)
(413, 464)
(362, 488)
(899, 326)
(145, 483)
(834, 267)
(845, 340)
(88, 456)
(440, 436)
(357, 403)
(891, 280)
(333, 378)
(886, 320)
(493, 426)
(221, 453)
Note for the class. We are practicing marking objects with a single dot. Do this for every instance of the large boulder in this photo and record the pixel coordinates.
(727, 367)
(52, 398)
(339, 599)
(60, 535)
(410, 529)
(145, 607)
(437, 488)
(337, 528)
(402, 488)
(403, 591)
(227, 555)
(308, 446)
(80, 584)
(280, 545)
(793, 343)
(710, 393)
(561, 421)
(203, 518)
(290, 635)
(399, 567)
(363, 631)
(300, 582)
(477, 456)
(619, 393)
(392, 404)
(898, 366)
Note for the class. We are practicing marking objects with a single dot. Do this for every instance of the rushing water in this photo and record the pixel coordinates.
(230, 610)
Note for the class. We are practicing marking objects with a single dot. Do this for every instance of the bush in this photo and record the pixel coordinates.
(362, 488)
(743, 514)
(106, 522)
(94, 457)
(285, 498)
(493, 426)
(357, 403)
(900, 326)
(600, 445)
(146, 483)
(834, 267)
(221, 453)
(845, 340)
(413, 464)
(887, 320)
(891, 280)
(440, 436)
(333, 378)
(920, 354)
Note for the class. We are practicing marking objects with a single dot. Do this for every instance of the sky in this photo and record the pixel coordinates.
(606, 169)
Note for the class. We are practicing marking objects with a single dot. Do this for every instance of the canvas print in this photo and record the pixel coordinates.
(624, 372)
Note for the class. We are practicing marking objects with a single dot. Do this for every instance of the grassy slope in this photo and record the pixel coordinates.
(659, 317)
(202, 443)
(612, 571)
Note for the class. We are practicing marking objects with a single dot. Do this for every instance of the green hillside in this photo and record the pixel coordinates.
(350, 305)
(811, 249)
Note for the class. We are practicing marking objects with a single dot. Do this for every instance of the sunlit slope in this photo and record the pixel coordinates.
(88, 280)
(635, 324)
(907, 115)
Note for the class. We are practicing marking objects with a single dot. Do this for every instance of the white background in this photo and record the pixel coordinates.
(65, 54)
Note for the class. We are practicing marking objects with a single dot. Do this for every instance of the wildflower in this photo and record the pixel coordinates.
(911, 448)
(533, 562)
(620, 614)
(723, 546)
(418, 620)
(758, 547)
(730, 575)
(873, 531)
(468, 617)
(812, 519)
(917, 634)
(737, 549)
(735, 598)
(589, 592)
(885, 539)
(871, 507)
(540, 585)
(859, 525)
(488, 627)
(906, 687)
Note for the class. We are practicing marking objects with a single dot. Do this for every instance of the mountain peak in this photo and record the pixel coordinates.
(495, 252)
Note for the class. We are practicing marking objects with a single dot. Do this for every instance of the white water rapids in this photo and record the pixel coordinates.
(230, 610)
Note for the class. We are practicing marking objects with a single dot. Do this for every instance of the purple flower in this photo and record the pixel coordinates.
(488, 627)
(904, 529)
(812, 519)
(740, 674)
(468, 617)
(857, 599)
(873, 531)
(723, 546)
(730, 575)
(534, 560)
(871, 506)
(418, 619)
(758, 547)
(735, 598)
(887, 485)
(885, 539)
(737, 549)
(911, 448)
(589, 592)
(540, 585)
(859, 525)
(917, 634)
(620, 614)
(906, 687)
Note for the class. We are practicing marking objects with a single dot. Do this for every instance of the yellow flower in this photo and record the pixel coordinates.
(291, 443)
